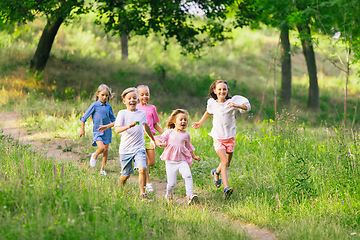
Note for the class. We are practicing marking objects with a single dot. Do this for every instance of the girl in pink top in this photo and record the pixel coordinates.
(178, 154)
(152, 120)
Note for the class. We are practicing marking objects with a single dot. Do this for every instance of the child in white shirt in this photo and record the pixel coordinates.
(223, 108)
(132, 123)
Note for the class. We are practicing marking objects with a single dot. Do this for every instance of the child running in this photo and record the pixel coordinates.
(223, 108)
(152, 120)
(178, 154)
(131, 123)
(103, 119)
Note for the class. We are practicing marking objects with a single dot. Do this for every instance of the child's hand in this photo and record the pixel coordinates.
(82, 133)
(102, 128)
(133, 124)
(153, 144)
(196, 125)
(197, 158)
(230, 104)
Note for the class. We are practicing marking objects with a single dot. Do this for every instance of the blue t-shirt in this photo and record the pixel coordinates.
(102, 114)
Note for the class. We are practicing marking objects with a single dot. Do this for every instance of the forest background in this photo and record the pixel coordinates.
(294, 61)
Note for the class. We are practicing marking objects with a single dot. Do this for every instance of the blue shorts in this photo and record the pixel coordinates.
(126, 162)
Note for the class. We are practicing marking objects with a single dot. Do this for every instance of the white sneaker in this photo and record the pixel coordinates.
(193, 199)
(168, 198)
(103, 172)
(92, 160)
(149, 187)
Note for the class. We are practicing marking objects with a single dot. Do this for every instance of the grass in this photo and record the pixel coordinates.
(43, 199)
(287, 175)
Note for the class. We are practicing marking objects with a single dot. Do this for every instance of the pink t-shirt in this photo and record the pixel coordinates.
(151, 116)
(178, 146)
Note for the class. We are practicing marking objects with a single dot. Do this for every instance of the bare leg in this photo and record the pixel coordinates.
(142, 179)
(105, 157)
(101, 149)
(123, 180)
(150, 162)
(225, 159)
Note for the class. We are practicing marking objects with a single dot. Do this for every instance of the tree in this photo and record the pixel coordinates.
(286, 15)
(341, 17)
(168, 18)
(274, 14)
(56, 12)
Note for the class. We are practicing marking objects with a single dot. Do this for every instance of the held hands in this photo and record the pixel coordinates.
(196, 125)
(160, 144)
(197, 158)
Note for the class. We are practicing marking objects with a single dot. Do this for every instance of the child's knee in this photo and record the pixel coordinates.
(142, 170)
(102, 149)
(187, 176)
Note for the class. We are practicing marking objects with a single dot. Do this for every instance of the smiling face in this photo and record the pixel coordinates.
(103, 95)
(221, 92)
(144, 96)
(181, 122)
(130, 101)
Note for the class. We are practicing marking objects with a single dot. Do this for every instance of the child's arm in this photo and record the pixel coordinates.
(119, 129)
(202, 120)
(82, 130)
(242, 106)
(149, 133)
(197, 158)
(158, 128)
(103, 128)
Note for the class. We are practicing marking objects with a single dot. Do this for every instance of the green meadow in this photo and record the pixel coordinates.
(297, 174)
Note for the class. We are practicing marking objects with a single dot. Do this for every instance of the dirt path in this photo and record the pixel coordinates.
(54, 147)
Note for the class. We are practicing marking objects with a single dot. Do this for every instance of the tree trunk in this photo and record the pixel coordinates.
(42, 52)
(124, 47)
(308, 50)
(285, 94)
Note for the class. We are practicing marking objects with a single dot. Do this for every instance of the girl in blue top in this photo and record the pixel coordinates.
(103, 120)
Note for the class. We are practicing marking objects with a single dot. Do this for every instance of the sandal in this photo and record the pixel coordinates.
(218, 182)
(227, 193)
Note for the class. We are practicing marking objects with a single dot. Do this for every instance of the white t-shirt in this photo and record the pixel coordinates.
(132, 139)
(224, 123)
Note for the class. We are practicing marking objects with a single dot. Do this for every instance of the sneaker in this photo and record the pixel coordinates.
(168, 198)
(92, 160)
(193, 199)
(149, 187)
(103, 172)
(145, 197)
(227, 193)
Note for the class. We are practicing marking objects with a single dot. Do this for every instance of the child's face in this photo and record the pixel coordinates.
(130, 101)
(144, 96)
(181, 122)
(103, 95)
(221, 91)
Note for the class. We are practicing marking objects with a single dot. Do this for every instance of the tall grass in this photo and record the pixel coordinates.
(43, 199)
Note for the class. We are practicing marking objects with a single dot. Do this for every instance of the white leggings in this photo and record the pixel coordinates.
(172, 168)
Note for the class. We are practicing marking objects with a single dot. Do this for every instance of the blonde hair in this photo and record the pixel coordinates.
(103, 87)
(143, 86)
(213, 87)
(171, 123)
(127, 91)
